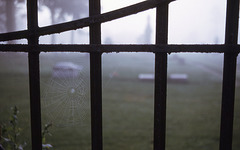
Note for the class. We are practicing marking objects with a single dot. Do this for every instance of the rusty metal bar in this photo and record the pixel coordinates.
(229, 77)
(34, 78)
(96, 79)
(85, 22)
(162, 48)
(160, 91)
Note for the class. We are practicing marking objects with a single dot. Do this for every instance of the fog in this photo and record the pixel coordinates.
(194, 80)
(190, 22)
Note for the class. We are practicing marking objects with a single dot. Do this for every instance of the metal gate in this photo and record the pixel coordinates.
(161, 49)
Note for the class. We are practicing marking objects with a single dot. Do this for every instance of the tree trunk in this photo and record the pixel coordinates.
(53, 38)
(10, 17)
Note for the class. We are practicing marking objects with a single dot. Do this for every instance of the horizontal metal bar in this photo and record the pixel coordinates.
(85, 22)
(122, 48)
(23, 34)
(14, 48)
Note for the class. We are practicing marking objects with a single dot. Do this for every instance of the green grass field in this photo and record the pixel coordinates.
(193, 108)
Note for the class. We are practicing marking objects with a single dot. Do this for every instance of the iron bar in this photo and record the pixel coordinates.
(229, 77)
(85, 22)
(34, 77)
(96, 79)
(161, 48)
(160, 91)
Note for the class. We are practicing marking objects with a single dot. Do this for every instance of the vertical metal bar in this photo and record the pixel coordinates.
(34, 78)
(229, 77)
(96, 79)
(160, 93)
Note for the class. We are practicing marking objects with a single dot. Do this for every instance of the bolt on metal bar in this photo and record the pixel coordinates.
(96, 79)
(229, 76)
(160, 91)
(34, 77)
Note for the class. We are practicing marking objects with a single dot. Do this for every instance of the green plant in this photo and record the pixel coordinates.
(45, 132)
(10, 133)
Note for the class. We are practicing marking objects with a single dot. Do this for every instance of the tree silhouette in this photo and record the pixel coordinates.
(60, 9)
(2, 16)
(8, 15)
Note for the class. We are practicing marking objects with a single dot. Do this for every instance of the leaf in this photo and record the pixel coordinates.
(6, 139)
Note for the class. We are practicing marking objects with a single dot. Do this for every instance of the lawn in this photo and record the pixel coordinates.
(193, 108)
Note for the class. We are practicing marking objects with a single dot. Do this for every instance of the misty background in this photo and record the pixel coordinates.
(193, 106)
(190, 21)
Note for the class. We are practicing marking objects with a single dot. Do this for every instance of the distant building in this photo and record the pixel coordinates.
(148, 32)
(146, 37)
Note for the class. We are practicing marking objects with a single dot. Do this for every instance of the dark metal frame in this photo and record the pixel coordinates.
(96, 49)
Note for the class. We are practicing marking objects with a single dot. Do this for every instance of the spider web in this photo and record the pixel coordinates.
(65, 99)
